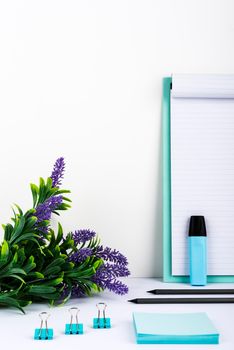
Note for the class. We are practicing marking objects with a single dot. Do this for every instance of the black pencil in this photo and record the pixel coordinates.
(182, 301)
(190, 291)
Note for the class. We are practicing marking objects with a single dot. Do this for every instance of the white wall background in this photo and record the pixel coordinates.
(82, 79)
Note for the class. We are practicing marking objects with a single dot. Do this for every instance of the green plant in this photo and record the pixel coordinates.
(38, 265)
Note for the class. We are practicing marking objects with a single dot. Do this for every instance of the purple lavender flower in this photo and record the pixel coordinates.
(106, 277)
(82, 236)
(58, 172)
(77, 291)
(42, 229)
(118, 287)
(74, 291)
(44, 211)
(65, 291)
(113, 270)
(112, 255)
(81, 255)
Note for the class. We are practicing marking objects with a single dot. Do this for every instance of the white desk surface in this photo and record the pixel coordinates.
(16, 330)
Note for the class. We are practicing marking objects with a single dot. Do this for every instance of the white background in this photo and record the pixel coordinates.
(82, 79)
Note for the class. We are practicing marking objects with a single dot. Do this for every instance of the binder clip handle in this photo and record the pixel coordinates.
(101, 321)
(101, 307)
(44, 317)
(74, 314)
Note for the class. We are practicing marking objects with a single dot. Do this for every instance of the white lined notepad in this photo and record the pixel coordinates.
(202, 167)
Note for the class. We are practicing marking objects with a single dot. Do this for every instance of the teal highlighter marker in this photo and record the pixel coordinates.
(197, 251)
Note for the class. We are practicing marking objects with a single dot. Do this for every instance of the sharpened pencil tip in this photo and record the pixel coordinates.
(150, 291)
(132, 301)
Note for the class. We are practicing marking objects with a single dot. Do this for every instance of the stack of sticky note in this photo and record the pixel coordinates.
(174, 328)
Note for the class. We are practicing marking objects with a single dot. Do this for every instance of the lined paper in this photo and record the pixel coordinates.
(202, 172)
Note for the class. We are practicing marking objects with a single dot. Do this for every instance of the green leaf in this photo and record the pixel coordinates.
(48, 296)
(35, 275)
(17, 229)
(30, 265)
(34, 190)
(57, 251)
(60, 234)
(26, 236)
(52, 270)
(4, 251)
(62, 191)
(42, 191)
(41, 290)
(24, 303)
(97, 264)
(42, 183)
(17, 270)
(56, 262)
(21, 256)
(8, 231)
(54, 282)
(30, 222)
(49, 185)
(10, 302)
(19, 209)
(38, 244)
(68, 266)
(49, 252)
(17, 277)
(81, 274)
(63, 206)
(67, 199)
(29, 213)
(5, 270)
(15, 258)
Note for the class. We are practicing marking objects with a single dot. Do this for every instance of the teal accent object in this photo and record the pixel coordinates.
(101, 323)
(184, 328)
(197, 260)
(74, 328)
(166, 134)
(43, 334)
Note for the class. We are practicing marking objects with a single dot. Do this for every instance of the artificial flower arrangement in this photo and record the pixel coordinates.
(38, 265)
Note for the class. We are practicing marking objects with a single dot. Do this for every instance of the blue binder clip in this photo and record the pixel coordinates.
(101, 322)
(43, 333)
(74, 328)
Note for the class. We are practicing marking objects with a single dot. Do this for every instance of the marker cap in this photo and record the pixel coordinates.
(197, 226)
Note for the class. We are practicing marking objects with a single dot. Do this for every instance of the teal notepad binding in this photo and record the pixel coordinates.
(184, 328)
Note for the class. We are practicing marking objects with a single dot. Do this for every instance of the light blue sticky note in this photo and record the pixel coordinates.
(188, 328)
